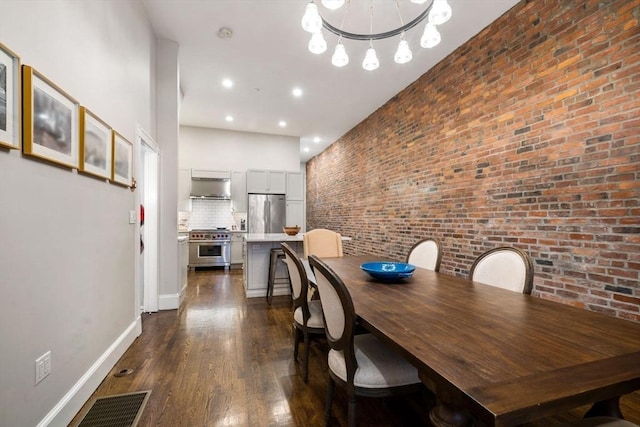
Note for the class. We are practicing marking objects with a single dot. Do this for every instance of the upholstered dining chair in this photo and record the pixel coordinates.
(426, 254)
(504, 267)
(322, 242)
(361, 364)
(307, 315)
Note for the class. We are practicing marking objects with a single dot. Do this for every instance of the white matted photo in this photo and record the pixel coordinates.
(9, 98)
(95, 145)
(122, 160)
(50, 120)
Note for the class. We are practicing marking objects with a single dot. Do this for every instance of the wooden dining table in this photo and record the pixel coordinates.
(493, 356)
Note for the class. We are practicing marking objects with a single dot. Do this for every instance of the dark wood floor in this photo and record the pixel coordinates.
(223, 360)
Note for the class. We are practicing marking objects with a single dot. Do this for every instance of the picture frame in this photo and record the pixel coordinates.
(122, 160)
(10, 97)
(50, 120)
(96, 145)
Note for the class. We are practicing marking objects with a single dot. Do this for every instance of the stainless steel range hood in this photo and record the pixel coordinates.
(210, 184)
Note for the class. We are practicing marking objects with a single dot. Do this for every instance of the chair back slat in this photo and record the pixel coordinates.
(297, 276)
(322, 242)
(337, 306)
(504, 267)
(426, 254)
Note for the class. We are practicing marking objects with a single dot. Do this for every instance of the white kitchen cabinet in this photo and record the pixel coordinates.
(237, 256)
(184, 190)
(238, 191)
(295, 213)
(266, 181)
(295, 186)
(257, 268)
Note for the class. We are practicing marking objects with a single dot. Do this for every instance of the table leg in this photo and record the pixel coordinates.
(605, 408)
(445, 415)
(447, 412)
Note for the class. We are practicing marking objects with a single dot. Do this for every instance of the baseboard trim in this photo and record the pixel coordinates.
(168, 302)
(183, 293)
(67, 408)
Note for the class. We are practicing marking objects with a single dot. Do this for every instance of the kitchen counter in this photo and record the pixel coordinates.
(257, 251)
(277, 237)
(272, 237)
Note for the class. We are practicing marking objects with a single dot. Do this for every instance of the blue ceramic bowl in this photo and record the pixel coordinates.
(387, 270)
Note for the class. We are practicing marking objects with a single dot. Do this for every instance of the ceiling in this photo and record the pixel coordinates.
(266, 57)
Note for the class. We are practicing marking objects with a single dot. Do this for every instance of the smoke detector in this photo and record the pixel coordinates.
(225, 33)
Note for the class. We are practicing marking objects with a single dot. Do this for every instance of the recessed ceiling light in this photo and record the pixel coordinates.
(227, 83)
(229, 118)
(316, 139)
(297, 92)
(306, 149)
(282, 123)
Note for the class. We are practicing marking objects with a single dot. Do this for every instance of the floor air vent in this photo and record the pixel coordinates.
(121, 410)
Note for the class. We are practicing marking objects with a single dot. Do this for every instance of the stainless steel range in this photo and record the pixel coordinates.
(210, 248)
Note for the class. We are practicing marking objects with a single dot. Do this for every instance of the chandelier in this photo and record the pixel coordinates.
(438, 12)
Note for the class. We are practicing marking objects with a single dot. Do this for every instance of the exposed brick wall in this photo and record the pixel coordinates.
(527, 136)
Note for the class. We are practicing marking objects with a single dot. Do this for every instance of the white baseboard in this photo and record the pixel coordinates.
(67, 408)
(168, 301)
(183, 293)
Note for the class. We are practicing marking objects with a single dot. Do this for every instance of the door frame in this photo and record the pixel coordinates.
(147, 263)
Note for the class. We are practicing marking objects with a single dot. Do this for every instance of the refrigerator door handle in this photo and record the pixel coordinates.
(267, 212)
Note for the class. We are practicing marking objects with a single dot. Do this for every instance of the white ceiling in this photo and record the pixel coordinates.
(267, 57)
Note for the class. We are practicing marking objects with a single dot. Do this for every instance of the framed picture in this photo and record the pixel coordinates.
(122, 159)
(50, 120)
(95, 145)
(9, 98)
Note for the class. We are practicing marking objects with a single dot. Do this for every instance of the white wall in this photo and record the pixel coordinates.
(168, 104)
(204, 148)
(67, 257)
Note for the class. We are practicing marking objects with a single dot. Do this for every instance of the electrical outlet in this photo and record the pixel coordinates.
(43, 366)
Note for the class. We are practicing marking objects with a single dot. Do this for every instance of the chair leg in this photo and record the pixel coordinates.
(327, 411)
(296, 342)
(352, 411)
(305, 362)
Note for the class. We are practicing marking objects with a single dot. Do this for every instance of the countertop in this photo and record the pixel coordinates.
(277, 237)
(272, 237)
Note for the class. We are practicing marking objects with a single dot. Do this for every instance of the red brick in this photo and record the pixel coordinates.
(507, 141)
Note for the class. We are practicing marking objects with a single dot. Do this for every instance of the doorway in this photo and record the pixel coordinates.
(148, 189)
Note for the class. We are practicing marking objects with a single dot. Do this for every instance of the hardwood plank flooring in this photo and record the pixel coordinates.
(224, 360)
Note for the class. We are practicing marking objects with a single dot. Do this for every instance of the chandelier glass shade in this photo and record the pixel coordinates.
(436, 12)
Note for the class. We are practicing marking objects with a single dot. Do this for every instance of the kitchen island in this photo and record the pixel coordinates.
(257, 249)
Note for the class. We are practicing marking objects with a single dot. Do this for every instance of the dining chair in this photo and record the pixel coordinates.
(426, 253)
(322, 242)
(361, 364)
(307, 315)
(504, 267)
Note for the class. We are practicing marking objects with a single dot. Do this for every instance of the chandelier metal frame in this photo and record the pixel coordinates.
(377, 36)
(437, 12)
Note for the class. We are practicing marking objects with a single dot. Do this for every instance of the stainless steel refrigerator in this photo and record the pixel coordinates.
(266, 213)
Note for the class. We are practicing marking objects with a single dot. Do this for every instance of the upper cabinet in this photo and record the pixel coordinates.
(238, 192)
(266, 181)
(184, 190)
(295, 186)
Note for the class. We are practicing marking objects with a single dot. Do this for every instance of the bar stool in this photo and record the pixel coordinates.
(276, 255)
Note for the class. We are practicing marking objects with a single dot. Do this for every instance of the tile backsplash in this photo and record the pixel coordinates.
(207, 213)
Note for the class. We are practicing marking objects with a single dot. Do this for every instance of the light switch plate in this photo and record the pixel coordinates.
(132, 217)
